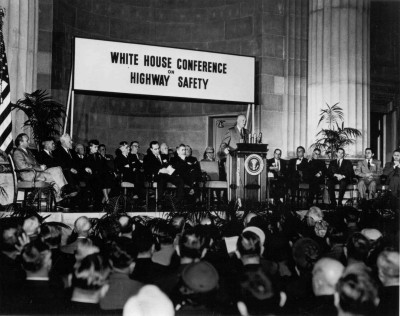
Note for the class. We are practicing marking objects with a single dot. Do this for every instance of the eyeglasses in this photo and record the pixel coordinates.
(137, 146)
(209, 152)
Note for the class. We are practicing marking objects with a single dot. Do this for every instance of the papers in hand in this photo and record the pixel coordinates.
(231, 243)
(169, 170)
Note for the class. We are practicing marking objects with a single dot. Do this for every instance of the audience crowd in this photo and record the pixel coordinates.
(326, 263)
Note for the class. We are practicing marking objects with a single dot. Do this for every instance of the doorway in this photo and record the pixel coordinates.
(218, 127)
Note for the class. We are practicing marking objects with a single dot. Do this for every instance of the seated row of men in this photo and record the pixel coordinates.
(162, 165)
(288, 174)
(63, 165)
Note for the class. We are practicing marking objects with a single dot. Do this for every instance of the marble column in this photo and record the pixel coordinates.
(20, 30)
(338, 65)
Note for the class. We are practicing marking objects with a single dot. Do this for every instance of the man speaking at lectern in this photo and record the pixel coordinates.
(234, 135)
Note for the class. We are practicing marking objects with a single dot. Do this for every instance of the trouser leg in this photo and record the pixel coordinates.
(362, 188)
(342, 190)
(331, 191)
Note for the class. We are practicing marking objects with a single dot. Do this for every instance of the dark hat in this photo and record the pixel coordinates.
(200, 277)
(305, 252)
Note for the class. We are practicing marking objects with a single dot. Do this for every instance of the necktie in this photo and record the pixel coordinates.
(339, 162)
(69, 153)
(159, 158)
(278, 165)
(369, 164)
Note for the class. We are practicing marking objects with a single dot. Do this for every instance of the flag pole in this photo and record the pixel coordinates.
(247, 116)
(68, 101)
(72, 112)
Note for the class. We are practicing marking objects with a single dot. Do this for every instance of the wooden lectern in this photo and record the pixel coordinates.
(247, 172)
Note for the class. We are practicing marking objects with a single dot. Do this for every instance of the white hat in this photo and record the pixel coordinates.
(257, 231)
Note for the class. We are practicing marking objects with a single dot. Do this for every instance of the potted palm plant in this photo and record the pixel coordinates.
(44, 114)
(335, 136)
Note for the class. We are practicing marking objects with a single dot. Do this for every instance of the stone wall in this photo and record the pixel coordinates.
(275, 31)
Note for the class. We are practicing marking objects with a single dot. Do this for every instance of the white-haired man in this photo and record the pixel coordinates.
(68, 160)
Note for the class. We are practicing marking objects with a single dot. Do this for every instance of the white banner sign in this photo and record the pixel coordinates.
(117, 67)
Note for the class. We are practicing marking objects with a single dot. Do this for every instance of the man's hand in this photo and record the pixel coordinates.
(88, 170)
(74, 171)
(318, 174)
(226, 150)
(163, 170)
(23, 240)
(338, 176)
(43, 167)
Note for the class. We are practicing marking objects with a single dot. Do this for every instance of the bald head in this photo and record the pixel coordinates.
(388, 267)
(326, 274)
(164, 148)
(82, 226)
(241, 121)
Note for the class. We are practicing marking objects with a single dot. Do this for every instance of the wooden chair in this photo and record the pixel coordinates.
(152, 185)
(29, 186)
(211, 168)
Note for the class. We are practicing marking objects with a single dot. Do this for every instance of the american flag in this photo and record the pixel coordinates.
(6, 142)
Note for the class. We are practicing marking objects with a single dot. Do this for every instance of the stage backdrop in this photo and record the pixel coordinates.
(118, 67)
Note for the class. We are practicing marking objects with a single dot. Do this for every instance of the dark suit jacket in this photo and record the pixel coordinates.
(125, 168)
(182, 167)
(302, 167)
(97, 164)
(45, 159)
(389, 171)
(65, 161)
(136, 161)
(152, 165)
(315, 166)
(283, 169)
(393, 178)
(110, 161)
(81, 163)
(346, 169)
(232, 137)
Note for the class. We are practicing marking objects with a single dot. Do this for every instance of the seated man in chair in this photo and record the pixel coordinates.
(369, 171)
(157, 168)
(296, 170)
(24, 160)
(277, 167)
(340, 172)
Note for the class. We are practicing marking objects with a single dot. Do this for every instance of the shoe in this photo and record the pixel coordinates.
(63, 206)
